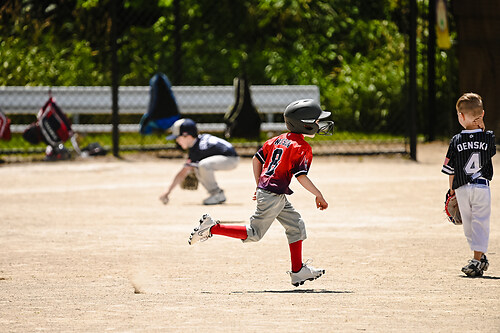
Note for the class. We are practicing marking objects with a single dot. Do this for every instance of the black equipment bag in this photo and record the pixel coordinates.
(243, 119)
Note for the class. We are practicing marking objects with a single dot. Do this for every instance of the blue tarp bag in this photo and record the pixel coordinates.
(162, 110)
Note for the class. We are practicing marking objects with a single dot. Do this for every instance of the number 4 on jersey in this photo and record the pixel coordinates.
(473, 164)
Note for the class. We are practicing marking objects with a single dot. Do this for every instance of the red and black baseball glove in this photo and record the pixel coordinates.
(451, 208)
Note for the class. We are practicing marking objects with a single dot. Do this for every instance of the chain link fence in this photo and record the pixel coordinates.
(81, 51)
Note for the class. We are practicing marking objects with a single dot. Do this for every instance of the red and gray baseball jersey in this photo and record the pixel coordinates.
(282, 157)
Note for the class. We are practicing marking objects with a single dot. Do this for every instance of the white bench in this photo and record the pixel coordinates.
(77, 100)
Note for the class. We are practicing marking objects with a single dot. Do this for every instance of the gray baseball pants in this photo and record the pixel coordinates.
(271, 206)
(207, 167)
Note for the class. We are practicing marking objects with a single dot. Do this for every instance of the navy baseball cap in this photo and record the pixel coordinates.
(183, 126)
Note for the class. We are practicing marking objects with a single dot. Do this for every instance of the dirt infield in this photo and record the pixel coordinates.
(86, 246)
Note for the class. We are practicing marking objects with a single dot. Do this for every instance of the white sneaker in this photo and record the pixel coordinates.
(306, 273)
(202, 232)
(215, 199)
(473, 268)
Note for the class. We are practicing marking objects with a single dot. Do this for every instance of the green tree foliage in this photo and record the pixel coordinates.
(354, 50)
(40, 46)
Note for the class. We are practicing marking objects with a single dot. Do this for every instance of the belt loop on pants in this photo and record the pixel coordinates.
(481, 181)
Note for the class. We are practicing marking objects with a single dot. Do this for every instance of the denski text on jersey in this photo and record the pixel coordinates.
(472, 145)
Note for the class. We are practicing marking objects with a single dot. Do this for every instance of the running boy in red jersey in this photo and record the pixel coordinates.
(274, 165)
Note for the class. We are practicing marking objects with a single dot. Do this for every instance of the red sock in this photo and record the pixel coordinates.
(296, 255)
(234, 231)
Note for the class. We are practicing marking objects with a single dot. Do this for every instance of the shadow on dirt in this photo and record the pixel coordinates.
(487, 277)
(294, 291)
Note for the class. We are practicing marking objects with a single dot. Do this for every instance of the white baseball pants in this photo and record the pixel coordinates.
(474, 202)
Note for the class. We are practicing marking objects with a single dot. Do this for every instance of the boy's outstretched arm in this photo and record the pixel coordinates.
(308, 185)
(179, 177)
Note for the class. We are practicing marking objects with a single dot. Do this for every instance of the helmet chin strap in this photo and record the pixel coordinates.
(325, 128)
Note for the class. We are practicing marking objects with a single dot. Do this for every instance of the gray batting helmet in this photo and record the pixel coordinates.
(301, 116)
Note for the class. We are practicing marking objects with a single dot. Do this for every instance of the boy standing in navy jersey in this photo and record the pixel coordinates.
(468, 164)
